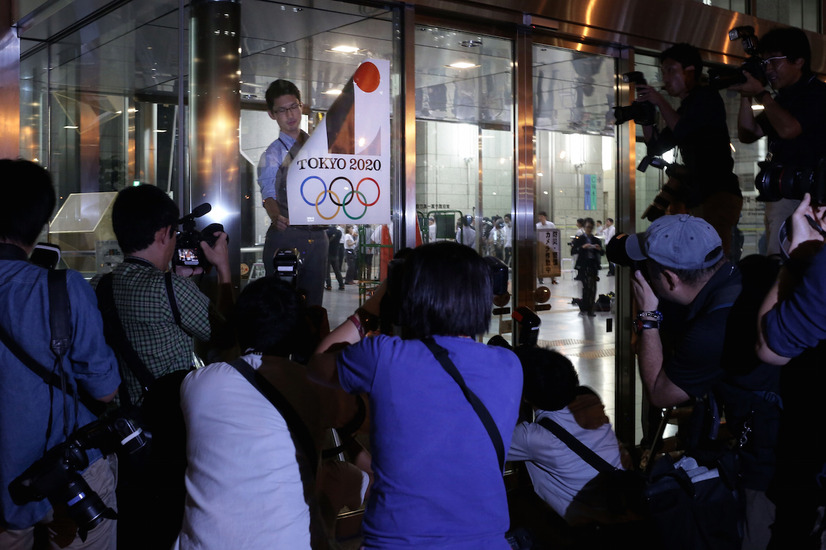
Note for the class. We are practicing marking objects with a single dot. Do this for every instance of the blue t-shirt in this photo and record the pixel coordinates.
(438, 483)
(24, 396)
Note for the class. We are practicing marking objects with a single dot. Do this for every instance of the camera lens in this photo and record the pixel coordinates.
(85, 507)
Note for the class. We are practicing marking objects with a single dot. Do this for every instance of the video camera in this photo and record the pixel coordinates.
(56, 475)
(188, 250)
(641, 112)
(778, 181)
(720, 78)
(287, 264)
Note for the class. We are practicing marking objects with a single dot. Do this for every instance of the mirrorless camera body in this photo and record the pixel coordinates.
(641, 112)
(188, 249)
(720, 78)
(56, 475)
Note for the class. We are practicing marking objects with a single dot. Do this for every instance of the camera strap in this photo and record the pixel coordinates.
(60, 340)
(298, 429)
(597, 462)
(441, 355)
(116, 337)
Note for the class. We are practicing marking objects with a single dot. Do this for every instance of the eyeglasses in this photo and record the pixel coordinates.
(288, 108)
(774, 62)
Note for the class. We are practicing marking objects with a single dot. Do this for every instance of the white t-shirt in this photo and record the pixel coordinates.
(243, 485)
(608, 233)
(558, 474)
(546, 225)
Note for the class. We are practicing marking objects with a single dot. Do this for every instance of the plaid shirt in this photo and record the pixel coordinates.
(143, 307)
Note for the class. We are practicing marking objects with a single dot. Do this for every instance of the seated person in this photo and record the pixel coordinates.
(249, 482)
(551, 388)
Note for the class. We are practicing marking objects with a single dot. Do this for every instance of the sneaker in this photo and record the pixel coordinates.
(341, 287)
(328, 287)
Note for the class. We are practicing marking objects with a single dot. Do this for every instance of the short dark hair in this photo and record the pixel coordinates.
(446, 290)
(586, 221)
(686, 55)
(28, 200)
(277, 89)
(543, 213)
(549, 378)
(609, 220)
(138, 213)
(265, 317)
(791, 42)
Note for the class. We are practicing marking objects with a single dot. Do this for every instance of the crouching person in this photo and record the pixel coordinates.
(558, 474)
(251, 466)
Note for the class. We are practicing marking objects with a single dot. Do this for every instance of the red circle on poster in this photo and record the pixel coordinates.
(367, 77)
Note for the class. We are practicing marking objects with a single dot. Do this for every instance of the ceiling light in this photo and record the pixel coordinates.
(332, 92)
(462, 65)
(345, 49)
(470, 43)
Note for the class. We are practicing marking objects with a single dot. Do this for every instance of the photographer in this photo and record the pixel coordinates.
(791, 333)
(694, 344)
(161, 313)
(708, 187)
(793, 120)
(588, 251)
(35, 415)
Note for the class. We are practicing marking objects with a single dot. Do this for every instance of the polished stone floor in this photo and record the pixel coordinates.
(586, 341)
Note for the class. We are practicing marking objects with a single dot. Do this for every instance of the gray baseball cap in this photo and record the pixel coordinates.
(678, 242)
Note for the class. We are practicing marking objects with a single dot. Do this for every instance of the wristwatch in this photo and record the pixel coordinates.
(642, 324)
(646, 320)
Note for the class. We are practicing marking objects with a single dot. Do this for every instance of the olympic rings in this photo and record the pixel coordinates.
(340, 205)
(378, 194)
(361, 201)
(323, 185)
(350, 194)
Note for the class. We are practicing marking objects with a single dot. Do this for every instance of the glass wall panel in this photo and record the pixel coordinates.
(741, 6)
(575, 145)
(750, 229)
(86, 113)
(318, 47)
(464, 136)
(797, 13)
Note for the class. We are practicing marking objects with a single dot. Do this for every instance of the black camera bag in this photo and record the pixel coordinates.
(159, 411)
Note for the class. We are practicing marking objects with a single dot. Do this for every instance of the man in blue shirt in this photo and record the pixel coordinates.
(33, 413)
(792, 334)
(284, 107)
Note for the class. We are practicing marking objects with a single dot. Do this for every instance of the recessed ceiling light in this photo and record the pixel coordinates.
(462, 65)
(332, 92)
(345, 49)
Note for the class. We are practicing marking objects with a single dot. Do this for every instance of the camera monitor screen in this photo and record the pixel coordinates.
(188, 256)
